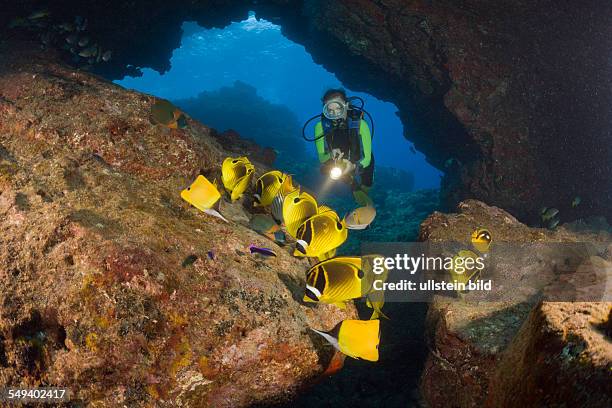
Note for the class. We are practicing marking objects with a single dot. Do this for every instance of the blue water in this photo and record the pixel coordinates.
(255, 51)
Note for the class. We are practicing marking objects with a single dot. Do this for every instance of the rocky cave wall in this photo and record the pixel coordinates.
(511, 99)
(112, 285)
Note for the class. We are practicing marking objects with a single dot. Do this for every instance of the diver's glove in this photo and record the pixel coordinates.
(350, 167)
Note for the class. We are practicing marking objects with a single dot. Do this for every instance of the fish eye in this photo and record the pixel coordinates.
(296, 200)
(234, 161)
(188, 188)
(339, 225)
(360, 274)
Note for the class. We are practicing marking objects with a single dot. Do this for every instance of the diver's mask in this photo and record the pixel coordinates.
(335, 109)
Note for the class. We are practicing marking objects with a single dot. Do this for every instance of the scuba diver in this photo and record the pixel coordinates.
(344, 143)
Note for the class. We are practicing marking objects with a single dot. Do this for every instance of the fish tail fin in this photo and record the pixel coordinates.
(376, 306)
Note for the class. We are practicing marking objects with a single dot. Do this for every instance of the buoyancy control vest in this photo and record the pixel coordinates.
(344, 136)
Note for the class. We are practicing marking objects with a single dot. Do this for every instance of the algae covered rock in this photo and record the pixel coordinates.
(517, 350)
(113, 286)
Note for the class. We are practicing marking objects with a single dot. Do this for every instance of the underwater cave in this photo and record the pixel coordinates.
(476, 109)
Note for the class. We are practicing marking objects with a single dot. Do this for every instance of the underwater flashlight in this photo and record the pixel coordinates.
(335, 173)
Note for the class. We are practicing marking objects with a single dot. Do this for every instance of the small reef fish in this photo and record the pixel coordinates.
(236, 173)
(297, 208)
(108, 55)
(360, 218)
(576, 201)
(278, 201)
(72, 39)
(338, 280)
(549, 213)
(356, 338)
(553, 223)
(319, 234)
(263, 251)
(335, 281)
(66, 27)
(265, 225)
(266, 188)
(83, 41)
(89, 52)
(203, 195)
(165, 113)
(39, 14)
(280, 238)
(481, 239)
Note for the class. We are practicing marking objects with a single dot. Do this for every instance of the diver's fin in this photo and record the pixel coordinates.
(362, 198)
(215, 213)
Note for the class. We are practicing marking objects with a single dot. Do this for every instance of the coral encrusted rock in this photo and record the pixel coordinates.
(112, 285)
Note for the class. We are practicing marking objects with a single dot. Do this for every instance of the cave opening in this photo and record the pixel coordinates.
(250, 78)
(213, 78)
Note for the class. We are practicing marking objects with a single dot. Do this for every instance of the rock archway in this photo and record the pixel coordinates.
(511, 100)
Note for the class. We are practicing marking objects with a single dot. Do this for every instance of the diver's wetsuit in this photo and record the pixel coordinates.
(357, 147)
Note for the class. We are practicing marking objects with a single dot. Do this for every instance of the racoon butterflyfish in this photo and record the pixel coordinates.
(203, 195)
(355, 338)
(236, 173)
(320, 234)
(279, 199)
(481, 239)
(297, 208)
(266, 188)
(338, 280)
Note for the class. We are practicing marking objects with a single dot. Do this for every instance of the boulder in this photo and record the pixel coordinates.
(515, 351)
